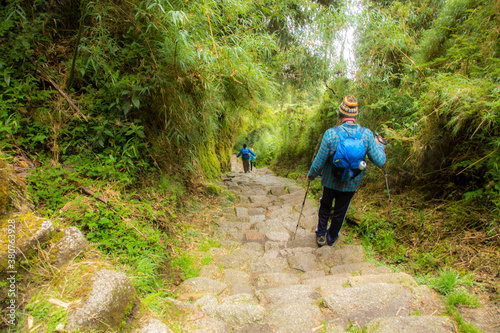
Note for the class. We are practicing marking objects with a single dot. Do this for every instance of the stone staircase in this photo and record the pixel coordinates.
(263, 279)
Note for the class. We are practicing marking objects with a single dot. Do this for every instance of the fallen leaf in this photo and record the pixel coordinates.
(59, 303)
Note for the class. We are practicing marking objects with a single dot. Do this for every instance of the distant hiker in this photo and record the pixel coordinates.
(340, 177)
(252, 159)
(246, 153)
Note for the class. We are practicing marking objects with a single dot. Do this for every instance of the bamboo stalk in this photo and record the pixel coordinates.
(77, 46)
(479, 160)
(63, 94)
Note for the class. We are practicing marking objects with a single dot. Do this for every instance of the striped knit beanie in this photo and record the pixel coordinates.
(349, 106)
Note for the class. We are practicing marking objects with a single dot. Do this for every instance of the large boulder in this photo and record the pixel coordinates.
(19, 234)
(110, 300)
(70, 246)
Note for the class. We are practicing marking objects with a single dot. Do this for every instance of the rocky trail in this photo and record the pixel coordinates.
(263, 280)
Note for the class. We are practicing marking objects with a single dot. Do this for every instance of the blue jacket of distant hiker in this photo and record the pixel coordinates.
(322, 164)
(245, 154)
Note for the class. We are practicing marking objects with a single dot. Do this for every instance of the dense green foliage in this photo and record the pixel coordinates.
(433, 78)
(121, 107)
(118, 96)
(152, 84)
(115, 110)
(427, 78)
(428, 72)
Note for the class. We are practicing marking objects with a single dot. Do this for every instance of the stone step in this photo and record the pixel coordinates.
(238, 309)
(362, 304)
(303, 239)
(328, 283)
(276, 278)
(297, 293)
(411, 324)
(395, 278)
(202, 285)
(268, 265)
(295, 317)
(277, 190)
(360, 268)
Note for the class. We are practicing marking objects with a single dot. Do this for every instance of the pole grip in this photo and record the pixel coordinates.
(381, 139)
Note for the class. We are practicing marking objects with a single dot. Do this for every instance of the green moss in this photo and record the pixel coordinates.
(118, 317)
(54, 244)
(4, 186)
(214, 190)
(129, 311)
(230, 196)
(208, 159)
(26, 227)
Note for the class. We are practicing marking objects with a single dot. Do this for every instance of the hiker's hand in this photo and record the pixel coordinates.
(380, 139)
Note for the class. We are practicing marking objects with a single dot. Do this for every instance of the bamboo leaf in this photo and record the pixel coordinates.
(136, 101)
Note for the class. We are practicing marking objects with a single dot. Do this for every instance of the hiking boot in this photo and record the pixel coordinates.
(321, 240)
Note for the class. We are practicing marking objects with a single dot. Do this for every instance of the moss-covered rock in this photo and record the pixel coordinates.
(229, 196)
(109, 303)
(216, 190)
(71, 245)
(20, 235)
(213, 189)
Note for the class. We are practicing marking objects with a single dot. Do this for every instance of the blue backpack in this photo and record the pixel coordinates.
(245, 153)
(350, 153)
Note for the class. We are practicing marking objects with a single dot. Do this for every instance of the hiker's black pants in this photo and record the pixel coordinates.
(342, 202)
(246, 165)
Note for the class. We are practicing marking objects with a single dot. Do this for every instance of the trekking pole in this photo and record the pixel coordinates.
(303, 203)
(387, 185)
(384, 142)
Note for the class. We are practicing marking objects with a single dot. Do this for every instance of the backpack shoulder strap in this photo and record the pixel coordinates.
(341, 134)
(359, 133)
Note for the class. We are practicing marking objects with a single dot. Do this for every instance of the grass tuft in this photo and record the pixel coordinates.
(461, 297)
(446, 282)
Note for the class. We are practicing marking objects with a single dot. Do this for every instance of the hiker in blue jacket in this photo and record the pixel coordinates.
(333, 187)
(252, 160)
(245, 154)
